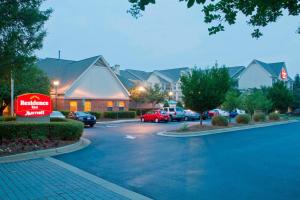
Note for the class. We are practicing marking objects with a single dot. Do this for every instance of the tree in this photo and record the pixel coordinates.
(259, 13)
(155, 95)
(254, 101)
(296, 92)
(166, 104)
(232, 100)
(205, 90)
(29, 79)
(21, 33)
(280, 96)
(179, 104)
(137, 95)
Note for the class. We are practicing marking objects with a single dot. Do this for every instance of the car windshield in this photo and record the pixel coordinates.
(56, 113)
(82, 114)
(163, 112)
(172, 109)
(179, 109)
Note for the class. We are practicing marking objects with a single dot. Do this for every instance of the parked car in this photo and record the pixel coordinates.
(236, 112)
(155, 116)
(176, 113)
(218, 112)
(57, 114)
(295, 112)
(190, 115)
(84, 117)
(205, 115)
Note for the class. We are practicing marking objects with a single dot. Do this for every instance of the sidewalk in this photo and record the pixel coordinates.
(48, 178)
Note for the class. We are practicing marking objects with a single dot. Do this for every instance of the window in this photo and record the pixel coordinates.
(121, 105)
(73, 106)
(87, 106)
(109, 105)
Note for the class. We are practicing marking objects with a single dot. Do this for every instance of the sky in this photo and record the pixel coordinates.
(168, 35)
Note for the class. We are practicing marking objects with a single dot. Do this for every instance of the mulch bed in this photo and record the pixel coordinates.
(10, 147)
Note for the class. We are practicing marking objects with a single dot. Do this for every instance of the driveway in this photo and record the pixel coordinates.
(255, 164)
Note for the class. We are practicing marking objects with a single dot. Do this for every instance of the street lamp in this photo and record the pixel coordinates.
(56, 84)
(170, 95)
(141, 89)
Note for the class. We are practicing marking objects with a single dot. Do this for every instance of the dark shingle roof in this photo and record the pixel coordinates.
(173, 74)
(234, 72)
(141, 75)
(273, 68)
(126, 82)
(66, 71)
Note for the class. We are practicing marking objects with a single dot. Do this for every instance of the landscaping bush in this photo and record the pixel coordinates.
(138, 111)
(259, 117)
(65, 112)
(96, 114)
(219, 121)
(7, 119)
(274, 116)
(243, 119)
(63, 130)
(58, 119)
(119, 115)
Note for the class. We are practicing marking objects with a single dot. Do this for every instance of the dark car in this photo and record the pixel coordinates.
(295, 112)
(84, 117)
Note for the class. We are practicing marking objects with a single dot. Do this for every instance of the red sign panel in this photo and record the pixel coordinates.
(33, 105)
(283, 74)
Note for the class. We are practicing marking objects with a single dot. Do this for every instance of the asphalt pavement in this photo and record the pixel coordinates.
(255, 164)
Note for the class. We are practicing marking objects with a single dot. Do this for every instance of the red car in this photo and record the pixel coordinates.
(155, 116)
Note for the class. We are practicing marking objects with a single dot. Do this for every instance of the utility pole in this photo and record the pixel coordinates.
(11, 94)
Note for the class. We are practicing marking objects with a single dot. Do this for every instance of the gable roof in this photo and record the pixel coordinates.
(173, 74)
(234, 72)
(274, 69)
(138, 74)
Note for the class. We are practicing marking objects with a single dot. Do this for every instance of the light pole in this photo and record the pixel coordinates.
(141, 89)
(56, 84)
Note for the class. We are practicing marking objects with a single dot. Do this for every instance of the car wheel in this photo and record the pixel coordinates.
(156, 120)
(142, 120)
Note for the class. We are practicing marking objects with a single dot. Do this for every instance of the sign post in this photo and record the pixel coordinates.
(33, 107)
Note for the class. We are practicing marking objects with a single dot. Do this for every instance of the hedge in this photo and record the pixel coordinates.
(119, 115)
(7, 118)
(96, 114)
(243, 119)
(259, 117)
(274, 116)
(63, 130)
(219, 121)
(65, 112)
(138, 111)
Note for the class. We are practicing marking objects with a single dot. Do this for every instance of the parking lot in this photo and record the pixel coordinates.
(251, 164)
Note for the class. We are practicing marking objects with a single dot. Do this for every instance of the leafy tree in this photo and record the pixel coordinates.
(232, 100)
(179, 104)
(166, 104)
(259, 13)
(296, 92)
(205, 90)
(155, 95)
(281, 96)
(255, 100)
(21, 33)
(27, 80)
(138, 96)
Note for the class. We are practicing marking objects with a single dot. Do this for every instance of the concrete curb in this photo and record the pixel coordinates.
(223, 130)
(99, 181)
(82, 143)
(119, 121)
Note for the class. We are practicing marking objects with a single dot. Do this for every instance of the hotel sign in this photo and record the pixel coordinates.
(33, 105)
(283, 74)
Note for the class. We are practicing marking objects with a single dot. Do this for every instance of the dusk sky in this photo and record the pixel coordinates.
(168, 35)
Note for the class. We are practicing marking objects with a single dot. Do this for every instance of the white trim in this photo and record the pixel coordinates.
(254, 61)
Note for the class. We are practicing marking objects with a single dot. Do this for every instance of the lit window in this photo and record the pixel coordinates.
(109, 105)
(87, 106)
(73, 106)
(121, 105)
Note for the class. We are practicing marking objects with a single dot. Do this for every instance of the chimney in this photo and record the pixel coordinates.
(116, 69)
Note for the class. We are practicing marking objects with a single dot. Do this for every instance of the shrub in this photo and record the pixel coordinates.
(58, 119)
(259, 117)
(64, 130)
(119, 115)
(65, 112)
(96, 114)
(219, 121)
(274, 116)
(7, 118)
(243, 119)
(138, 111)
